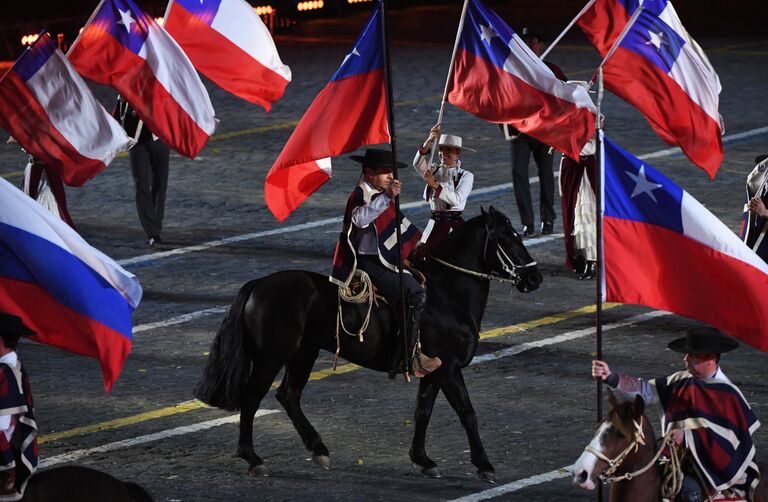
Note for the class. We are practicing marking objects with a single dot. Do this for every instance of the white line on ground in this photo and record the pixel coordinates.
(148, 438)
(516, 485)
(565, 337)
(180, 319)
(136, 260)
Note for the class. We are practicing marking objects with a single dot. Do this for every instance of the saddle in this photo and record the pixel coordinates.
(8, 482)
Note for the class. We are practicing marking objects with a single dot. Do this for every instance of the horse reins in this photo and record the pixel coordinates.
(671, 485)
(504, 259)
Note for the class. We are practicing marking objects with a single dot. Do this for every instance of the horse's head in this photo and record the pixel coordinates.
(505, 254)
(617, 439)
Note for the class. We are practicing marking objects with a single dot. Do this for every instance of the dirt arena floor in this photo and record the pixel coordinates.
(531, 389)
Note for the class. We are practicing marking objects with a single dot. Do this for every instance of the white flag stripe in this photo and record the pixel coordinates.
(74, 111)
(173, 69)
(237, 21)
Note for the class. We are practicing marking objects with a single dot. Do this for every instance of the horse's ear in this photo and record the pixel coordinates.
(482, 211)
(612, 401)
(638, 407)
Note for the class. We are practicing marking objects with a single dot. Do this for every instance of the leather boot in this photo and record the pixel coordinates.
(590, 271)
(420, 364)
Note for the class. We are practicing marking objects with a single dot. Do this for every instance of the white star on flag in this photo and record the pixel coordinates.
(642, 185)
(487, 33)
(353, 53)
(126, 19)
(656, 39)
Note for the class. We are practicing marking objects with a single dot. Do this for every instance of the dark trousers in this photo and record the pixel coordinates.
(522, 149)
(388, 282)
(149, 165)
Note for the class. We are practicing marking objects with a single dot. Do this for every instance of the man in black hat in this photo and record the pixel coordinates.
(523, 147)
(18, 428)
(367, 242)
(706, 411)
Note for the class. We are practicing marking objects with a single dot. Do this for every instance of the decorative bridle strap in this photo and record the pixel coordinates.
(504, 259)
(637, 440)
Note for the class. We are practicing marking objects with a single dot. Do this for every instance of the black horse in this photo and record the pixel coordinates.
(283, 320)
(73, 483)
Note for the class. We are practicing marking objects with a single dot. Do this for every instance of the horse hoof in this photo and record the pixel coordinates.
(323, 461)
(487, 476)
(432, 472)
(258, 470)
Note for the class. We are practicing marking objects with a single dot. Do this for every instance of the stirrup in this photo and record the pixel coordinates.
(422, 365)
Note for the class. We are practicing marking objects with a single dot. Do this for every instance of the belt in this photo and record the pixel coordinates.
(447, 216)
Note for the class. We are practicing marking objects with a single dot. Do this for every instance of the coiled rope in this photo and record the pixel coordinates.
(362, 294)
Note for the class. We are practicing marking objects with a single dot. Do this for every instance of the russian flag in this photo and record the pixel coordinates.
(125, 48)
(72, 295)
(660, 70)
(665, 250)
(348, 113)
(228, 43)
(47, 107)
(496, 77)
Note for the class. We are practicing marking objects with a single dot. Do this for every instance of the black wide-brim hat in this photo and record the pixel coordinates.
(13, 325)
(377, 158)
(761, 158)
(703, 341)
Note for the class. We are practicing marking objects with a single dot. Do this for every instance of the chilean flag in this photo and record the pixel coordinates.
(228, 43)
(665, 250)
(348, 113)
(71, 294)
(497, 78)
(660, 70)
(125, 48)
(47, 107)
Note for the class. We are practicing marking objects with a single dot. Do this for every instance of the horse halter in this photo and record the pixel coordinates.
(638, 439)
(507, 264)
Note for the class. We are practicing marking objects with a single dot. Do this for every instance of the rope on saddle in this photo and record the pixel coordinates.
(360, 294)
(672, 479)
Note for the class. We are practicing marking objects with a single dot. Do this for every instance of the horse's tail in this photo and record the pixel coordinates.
(227, 369)
(137, 493)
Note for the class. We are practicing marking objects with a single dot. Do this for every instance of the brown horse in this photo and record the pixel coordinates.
(623, 452)
(73, 483)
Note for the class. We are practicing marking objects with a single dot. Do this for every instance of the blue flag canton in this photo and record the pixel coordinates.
(128, 24)
(367, 54)
(652, 38)
(636, 191)
(486, 34)
(204, 10)
(34, 57)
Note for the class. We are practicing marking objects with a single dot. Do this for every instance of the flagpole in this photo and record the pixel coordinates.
(393, 144)
(599, 182)
(618, 41)
(448, 78)
(570, 25)
(93, 14)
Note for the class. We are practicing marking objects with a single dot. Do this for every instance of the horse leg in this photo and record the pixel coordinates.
(289, 395)
(259, 383)
(456, 393)
(425, 400)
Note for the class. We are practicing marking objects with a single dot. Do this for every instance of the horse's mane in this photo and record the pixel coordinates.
(458, 237)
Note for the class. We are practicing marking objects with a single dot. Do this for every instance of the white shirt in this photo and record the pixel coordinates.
(455, 185)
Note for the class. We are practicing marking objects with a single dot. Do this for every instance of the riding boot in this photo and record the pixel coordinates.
(420, 364)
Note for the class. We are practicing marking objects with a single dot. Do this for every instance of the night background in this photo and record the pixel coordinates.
(431, 21)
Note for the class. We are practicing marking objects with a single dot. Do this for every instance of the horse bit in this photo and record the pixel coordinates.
(503, 259)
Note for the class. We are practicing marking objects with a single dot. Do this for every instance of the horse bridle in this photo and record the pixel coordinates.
(504, 259)
(638, 439)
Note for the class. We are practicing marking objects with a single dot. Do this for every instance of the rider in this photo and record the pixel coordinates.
(448, 185)
(367, 240)
(708, 413)
(18, 429)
